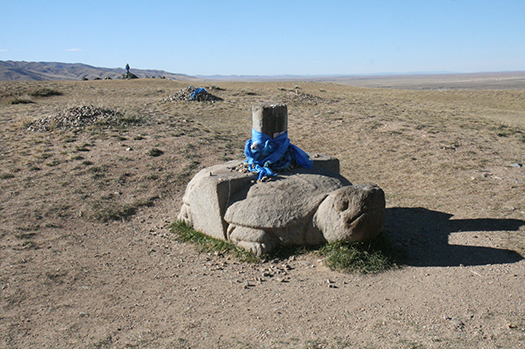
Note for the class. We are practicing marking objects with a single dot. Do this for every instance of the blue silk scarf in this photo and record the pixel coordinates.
(266, 155)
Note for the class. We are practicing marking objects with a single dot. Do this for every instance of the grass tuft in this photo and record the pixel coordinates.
(376, 256)
(131, 119)
(205, 243)
(372, 257)
(109, 211)
(45, 92)
(155, 152)
(21, 100)
(83, 147)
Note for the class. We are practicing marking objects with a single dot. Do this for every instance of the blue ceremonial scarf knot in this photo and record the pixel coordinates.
(266, 155)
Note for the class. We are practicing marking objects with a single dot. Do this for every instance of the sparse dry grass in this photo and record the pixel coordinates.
(77, 206)
(419, 145)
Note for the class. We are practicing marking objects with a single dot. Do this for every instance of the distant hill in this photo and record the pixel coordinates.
(43, 71)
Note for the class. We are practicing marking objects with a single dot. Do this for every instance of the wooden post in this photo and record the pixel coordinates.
(271, 119)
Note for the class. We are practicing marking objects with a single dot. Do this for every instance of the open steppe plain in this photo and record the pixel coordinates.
(87, 259)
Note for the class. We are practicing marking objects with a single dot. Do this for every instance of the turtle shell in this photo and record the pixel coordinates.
(285, 200)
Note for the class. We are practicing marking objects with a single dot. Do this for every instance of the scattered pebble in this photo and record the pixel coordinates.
(458, 324)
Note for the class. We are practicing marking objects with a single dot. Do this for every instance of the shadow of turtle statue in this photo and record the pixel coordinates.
(299, 206)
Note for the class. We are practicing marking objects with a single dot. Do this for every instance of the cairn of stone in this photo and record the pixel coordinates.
(128, 76)
(74, 118)
(298, 206)
(190, 94)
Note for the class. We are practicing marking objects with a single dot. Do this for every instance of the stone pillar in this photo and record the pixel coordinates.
(271, 119)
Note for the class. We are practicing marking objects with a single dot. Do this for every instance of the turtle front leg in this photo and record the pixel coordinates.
(256, 240)
(185, 214)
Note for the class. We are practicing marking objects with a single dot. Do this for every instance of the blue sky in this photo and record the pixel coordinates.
(269, 37)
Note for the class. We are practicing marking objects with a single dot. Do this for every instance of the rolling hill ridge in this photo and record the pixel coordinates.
(44, 71)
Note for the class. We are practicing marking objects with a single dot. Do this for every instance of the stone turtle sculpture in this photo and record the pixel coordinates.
(299, 207)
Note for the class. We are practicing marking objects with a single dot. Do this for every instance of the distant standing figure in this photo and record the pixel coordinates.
(127, 68)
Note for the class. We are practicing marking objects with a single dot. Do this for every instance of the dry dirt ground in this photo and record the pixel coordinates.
(87, 259)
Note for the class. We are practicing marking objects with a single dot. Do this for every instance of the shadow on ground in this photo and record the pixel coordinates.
(424, 235)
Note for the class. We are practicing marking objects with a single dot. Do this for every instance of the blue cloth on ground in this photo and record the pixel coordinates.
(266, 156)
(197, 91)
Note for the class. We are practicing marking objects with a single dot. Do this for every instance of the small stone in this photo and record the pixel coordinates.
(457, 323)
(515, 164)
(286, 267)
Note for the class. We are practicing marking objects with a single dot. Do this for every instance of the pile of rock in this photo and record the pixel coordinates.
(301, 98)
(128, 76)
(76, 117)
(185, 95)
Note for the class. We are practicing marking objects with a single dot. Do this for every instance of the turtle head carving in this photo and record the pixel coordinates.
(352, 213)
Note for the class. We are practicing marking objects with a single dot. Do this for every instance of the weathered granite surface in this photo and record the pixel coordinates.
(300, 206)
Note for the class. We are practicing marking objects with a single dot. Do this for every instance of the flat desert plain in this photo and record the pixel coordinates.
(87, 259)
